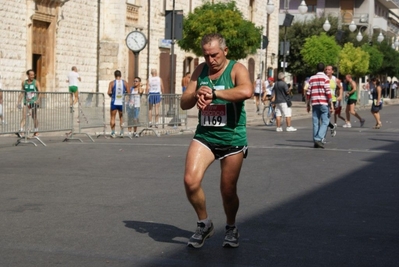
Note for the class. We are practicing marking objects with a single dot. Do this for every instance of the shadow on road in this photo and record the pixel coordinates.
(159, 232)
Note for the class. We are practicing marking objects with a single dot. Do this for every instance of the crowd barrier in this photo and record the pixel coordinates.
(90, 110)
(153, 118)
(52, 112)
(47, 112)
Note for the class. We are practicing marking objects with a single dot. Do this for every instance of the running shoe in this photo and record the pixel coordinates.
(291, 129)
(279, 129)
(231, 237)
(347, 125)
(113, 135)
(334, 131)
(197, 240)
(362, 122)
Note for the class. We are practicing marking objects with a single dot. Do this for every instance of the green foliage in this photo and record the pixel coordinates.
(242, 36)
(376, 58)
(321, 48)
(353, 60)
(389, 66)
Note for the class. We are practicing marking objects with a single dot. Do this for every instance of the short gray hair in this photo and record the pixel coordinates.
(214, 36)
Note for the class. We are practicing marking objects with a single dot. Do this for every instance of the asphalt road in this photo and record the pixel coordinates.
(121, 202)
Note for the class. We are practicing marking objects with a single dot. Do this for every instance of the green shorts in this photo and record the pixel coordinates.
(73, 89)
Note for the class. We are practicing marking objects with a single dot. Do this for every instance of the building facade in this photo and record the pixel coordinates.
(51, 36)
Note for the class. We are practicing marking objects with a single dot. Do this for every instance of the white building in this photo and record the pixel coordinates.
(51, 36)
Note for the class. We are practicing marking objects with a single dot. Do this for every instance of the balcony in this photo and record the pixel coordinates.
(390, 4)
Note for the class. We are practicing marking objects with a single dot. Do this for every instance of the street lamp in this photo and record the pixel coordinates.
(270, 7)
(380, 37)
(302, 8)
(359, 35)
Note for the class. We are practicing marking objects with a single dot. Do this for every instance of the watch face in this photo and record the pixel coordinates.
(136, 41)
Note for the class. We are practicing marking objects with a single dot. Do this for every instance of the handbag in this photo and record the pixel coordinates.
(289, 103)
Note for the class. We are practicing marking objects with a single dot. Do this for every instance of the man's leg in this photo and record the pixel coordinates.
(150, 106)
(347, 113)
(76, 97)
(112, 120)
(156, 113)
(121, 120)
(324, 121)
(316, 122)
(198, 160)
(354, 113)
(231, 167)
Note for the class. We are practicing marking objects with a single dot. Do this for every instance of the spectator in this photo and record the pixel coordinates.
(259, 90)
(154, 91)
(133, 109)
(185, 81)
(281, 92)
(319, 97)
(376, 106)
(73, 78)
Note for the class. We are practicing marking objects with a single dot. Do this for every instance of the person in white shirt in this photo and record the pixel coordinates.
(259, 90)
(133, 108)
(73, 78)
(154, 90)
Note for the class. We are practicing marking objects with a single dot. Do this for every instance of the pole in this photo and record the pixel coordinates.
(260, 57)
(267, 34)
(171, 110)
(136, 64)
(284, 48)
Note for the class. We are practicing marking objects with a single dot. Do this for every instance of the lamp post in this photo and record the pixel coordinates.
(269, 11)
(303, 8)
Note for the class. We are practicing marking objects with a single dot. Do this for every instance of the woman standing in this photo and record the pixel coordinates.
(377, 102)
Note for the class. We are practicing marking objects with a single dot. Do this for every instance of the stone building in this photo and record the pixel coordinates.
(51, 36)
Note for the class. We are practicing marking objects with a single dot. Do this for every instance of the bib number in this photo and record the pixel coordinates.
(30, 96)
(214, 115)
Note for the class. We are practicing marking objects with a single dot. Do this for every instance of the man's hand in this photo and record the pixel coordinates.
(308, 108)
(19, 106)
(204, 97)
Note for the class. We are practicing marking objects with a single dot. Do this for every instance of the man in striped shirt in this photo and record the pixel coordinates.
(319, 97)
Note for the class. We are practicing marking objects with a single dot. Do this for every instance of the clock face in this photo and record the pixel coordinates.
(136, 41)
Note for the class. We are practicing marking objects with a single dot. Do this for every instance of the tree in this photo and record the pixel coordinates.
(353, 60)
(320, 48)
(389, 66)
(242, 36)
(376, 58)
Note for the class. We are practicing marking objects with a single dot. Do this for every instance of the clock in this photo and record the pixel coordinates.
(136, 41)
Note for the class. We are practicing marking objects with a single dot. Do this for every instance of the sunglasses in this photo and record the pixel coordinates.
(136, 81)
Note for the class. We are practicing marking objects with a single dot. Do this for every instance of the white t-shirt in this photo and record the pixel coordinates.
(155, 85)
(73, 78)
(269, 88)
(258, 86)
(134, 97)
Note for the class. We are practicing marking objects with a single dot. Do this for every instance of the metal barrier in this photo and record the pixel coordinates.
(90, 114)
(169, 114)
(364, 97)
(48, 112)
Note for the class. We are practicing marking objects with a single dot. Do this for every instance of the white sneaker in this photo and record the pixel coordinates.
(136, 135)
(279, 129)
(347, 125)
(291, 129)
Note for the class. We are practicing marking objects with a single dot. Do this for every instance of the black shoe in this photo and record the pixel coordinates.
(198, 238)
(231, 237)
(318, 144)
(19, 135)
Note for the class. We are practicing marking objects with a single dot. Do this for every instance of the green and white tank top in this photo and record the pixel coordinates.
(30, 92)
(222, 122)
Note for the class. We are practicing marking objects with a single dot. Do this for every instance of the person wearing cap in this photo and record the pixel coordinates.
(269, 89)
(280, 94)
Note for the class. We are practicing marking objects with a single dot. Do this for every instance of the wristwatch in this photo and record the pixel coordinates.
(213, 94)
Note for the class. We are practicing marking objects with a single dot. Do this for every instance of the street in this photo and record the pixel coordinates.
(121, 202)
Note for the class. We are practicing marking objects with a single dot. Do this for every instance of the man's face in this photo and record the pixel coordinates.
(31, 75)
(348, 78)
(214, 56)
(328, 71)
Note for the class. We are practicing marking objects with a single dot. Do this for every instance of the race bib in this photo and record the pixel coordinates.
(118, 94)
(30, 95)
(214, 115)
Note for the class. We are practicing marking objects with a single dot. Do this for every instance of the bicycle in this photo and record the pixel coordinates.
(269, 114)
